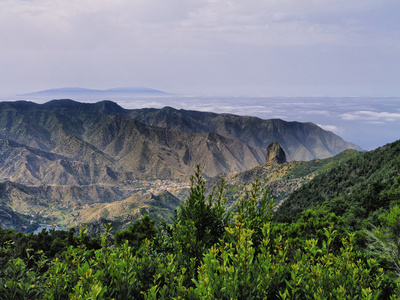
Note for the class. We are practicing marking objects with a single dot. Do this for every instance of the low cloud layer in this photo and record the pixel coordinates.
(372, 116)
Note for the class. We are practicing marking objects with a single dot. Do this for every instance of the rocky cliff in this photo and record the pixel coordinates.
(275, 154)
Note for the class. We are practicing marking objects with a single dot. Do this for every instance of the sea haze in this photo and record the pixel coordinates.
(369, 122)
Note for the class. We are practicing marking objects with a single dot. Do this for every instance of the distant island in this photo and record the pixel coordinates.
(65, 92)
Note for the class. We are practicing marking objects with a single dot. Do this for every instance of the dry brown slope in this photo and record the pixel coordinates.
(123, 213)
(164, 153)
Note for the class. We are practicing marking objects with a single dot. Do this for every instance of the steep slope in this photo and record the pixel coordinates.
(70, 154)
(69, 206)
(33, 125)
(301, 141)
(55, 204)
(357, 189)
(44, 125)
(34, 199)
(163, 153)
(10, 219)
(98, 144)
(74, 205)
(279, 177)
(123, 213)
(32, 166)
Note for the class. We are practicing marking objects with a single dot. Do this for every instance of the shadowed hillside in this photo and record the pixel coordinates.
(301, 141)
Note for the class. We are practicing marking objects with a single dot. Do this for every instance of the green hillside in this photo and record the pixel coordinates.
(358, 190)
(281, 179)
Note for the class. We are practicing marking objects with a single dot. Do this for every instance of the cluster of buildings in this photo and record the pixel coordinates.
(154, 186)
(158, 186)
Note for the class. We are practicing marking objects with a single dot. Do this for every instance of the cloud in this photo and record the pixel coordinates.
(333, 128)
(259, 21)
(371, 116)
(316, 112)
(201, 45)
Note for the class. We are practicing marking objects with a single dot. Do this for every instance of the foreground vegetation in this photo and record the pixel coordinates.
(209, 253)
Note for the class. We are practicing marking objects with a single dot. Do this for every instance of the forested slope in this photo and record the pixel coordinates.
(358, 189)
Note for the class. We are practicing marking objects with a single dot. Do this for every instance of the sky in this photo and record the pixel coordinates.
(284, 59)
(203, 47)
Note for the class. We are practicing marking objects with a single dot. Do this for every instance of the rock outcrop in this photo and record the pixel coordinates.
(8, 218)
(275, 153)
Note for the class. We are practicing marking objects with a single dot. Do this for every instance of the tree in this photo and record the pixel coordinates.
(200, 223)
(136, 233)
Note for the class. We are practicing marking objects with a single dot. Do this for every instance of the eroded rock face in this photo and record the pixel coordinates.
(8, 218)
(275, 153)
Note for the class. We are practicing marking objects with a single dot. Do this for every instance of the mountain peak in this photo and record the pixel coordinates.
(275, 153)
(65, 105)
(109, 106)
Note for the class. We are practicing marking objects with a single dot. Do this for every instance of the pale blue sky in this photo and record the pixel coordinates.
(207, 47)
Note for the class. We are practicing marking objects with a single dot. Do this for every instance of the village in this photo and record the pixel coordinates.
(140, 187)
(156, 186)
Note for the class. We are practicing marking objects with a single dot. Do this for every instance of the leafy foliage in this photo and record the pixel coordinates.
(385, 240)
(208, 253)
(136, 233)
(201, 222)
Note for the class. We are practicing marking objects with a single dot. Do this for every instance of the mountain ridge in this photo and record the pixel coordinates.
(301, 141)
(104, 138)
(98, 136)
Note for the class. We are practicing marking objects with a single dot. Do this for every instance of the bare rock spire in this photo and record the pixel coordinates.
(275, 153)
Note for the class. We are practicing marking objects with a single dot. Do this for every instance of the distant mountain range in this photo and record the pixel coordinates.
(67, 142)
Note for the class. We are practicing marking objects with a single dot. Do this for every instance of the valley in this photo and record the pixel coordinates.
(70, 163)
(59, 205)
